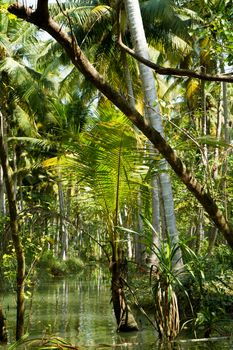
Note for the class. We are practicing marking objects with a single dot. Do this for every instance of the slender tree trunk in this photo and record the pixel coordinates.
(4, 241)
(204, 121)
(128, 80)
(227, 140)
(15, 233)
(199, 233)
(213, 231)
(156, 220)
(62, 226)
(2, 194)
(139, 246)
(2, 190)
(212, 236)
(215, 169)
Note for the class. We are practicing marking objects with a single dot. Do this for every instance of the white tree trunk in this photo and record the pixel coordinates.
(139, 247)
(227, 140)
(156, 233)
(63, 228)
(152, 110)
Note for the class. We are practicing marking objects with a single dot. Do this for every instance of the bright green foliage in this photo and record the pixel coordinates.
(209, 290)
(60, 129)
(164, 280)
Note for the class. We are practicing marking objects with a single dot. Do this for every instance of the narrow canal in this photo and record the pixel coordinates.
(78, 309)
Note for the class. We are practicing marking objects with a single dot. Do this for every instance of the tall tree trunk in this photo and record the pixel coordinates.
(152, 113)
(62, 227)
(156, 219)
(15, 233)
(213, 231)
(227, 140)
(154, 191)
(2, 191)
(216, 165)
(156, 212)
(204, 121)
(2, 194)
(199, 233)
(139, 245)
(212, 236)
(128, 80)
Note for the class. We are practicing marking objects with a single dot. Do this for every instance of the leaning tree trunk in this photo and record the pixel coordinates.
(20, 273)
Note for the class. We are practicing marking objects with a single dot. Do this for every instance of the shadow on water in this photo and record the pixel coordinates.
(78, 309)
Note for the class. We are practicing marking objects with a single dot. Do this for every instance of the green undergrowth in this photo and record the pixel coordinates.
(59, 268)
(204, 293)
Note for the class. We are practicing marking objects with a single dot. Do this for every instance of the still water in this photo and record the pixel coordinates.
(79, 310)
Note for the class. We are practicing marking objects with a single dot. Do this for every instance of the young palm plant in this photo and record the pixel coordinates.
(114, 187)
(164, 280)
(103, 162)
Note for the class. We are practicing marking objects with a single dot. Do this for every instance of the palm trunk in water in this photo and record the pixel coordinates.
(124, 317)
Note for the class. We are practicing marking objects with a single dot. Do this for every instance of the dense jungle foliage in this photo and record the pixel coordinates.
(105, 160)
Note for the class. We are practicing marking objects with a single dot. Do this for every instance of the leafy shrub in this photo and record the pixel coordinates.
(74, 265)
(46, 260)
(58, 267)
(224, 256)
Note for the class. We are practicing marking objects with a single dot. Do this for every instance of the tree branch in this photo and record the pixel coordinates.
(175, 71)
(86, 68)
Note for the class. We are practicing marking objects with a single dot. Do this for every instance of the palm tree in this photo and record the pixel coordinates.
(104, 165)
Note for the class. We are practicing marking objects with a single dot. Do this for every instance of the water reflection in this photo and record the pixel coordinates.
(79, 310)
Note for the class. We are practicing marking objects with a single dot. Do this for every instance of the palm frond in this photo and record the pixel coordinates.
(38, 143)
(26, 124)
